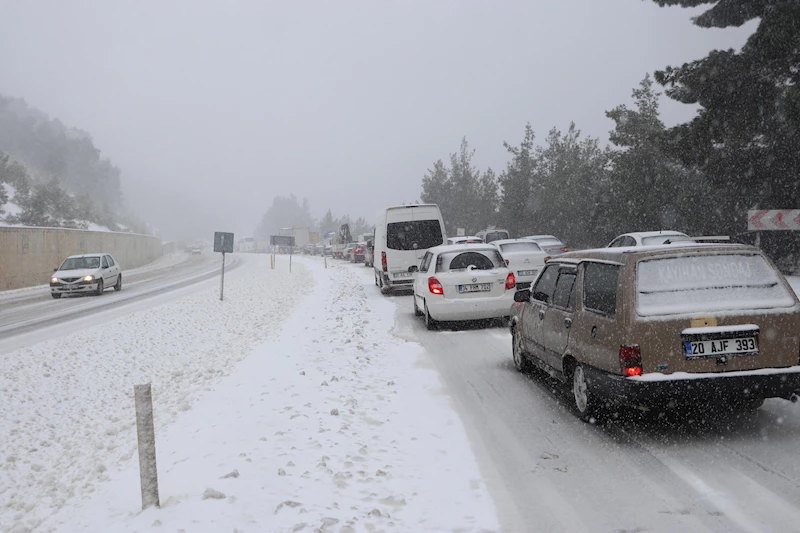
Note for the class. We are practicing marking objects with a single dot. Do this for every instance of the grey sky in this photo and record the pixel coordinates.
(212, 108)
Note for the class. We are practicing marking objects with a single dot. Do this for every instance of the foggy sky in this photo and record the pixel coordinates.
(212, 108)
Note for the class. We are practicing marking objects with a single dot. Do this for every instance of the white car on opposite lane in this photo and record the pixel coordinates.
(92, 273)
(524, 258)
(463, 282)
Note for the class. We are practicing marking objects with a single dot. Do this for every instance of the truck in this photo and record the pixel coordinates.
(302, 236)
(342, 239)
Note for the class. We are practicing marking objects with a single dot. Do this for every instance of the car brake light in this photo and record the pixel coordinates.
(546, 259)
(383, 262)
(511, 281)
(630, 360)
(434, 286)
(565, 249)
(507, 261)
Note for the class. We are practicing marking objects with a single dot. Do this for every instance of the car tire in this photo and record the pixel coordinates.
(55, 295)
(118, 284)
(100, 288)
(430, 323)
(521, 361)
(417, 311)
(585, 402)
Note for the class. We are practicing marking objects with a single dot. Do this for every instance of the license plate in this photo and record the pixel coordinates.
(704, 349)
(475, 287)
(527, 272)
(402, 274)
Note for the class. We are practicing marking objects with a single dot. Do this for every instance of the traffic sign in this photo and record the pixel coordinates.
(223, 242)
(773, 219)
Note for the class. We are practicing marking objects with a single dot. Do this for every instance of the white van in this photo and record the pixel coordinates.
(402, 235)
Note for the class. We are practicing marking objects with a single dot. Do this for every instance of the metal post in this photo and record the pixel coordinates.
(146, 435)
(222, 282)
(291, 252)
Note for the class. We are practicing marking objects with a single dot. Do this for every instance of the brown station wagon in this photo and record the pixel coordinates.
(662, 326)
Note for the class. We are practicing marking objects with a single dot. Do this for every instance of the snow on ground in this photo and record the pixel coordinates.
(67, 416)
(336, 425)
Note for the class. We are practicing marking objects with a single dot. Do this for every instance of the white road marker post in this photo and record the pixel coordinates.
(146, 436)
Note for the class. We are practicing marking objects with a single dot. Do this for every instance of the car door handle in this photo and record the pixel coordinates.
(567, 323)
(541, 315)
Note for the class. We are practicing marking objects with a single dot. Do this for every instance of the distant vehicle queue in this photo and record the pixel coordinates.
(652, 320)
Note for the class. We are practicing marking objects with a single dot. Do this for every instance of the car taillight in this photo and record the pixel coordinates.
(507, 262)
(511, 281)
(358, 250)
(630, 360)
(434, 286)
(546, 259)
(383, 262)
(565, 249)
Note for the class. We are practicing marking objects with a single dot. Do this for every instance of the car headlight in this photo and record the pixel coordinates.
(88, 278)
(53, 280)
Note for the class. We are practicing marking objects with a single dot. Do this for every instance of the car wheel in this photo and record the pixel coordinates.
(100, 287)
(118, 284)
(417, 312)
(430, 323)
(585, 402)
(55, 295)
(521, 361)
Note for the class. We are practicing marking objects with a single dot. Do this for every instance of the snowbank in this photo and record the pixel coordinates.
(335, 426)
(67, 416)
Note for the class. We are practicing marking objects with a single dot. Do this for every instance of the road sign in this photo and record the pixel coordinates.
(223, 242)
(773, 219)
(281, 240)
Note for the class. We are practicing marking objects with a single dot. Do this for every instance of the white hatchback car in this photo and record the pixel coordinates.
(525, 259)
(463, 282)
(86, 273)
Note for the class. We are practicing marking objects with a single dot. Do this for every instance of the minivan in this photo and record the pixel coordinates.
(403, 234)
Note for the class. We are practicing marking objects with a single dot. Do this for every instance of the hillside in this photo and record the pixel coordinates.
(52, 175)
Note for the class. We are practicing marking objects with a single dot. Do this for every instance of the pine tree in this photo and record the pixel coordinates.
(516, 182)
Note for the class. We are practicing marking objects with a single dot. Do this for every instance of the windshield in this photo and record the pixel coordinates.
(414, 235)
(496, 235)
(708, 283)
(80, 263)
(477, 259)
(549, 243)
(520, 247)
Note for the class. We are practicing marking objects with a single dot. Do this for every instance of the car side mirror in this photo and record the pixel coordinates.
(522, 296)
(55, 270)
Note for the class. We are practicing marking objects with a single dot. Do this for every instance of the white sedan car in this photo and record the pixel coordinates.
(646, 238)
(92, 273)
(525, 259)
(463, 282)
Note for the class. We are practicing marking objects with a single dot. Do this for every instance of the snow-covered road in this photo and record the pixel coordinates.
(550, 472)
(288, 407)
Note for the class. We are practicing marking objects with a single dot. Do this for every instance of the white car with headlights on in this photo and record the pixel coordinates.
(92, 273)
(463, 282)
(524, 258)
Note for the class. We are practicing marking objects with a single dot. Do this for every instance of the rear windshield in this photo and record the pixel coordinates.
(78, 263)
(549, 242)
(520, 247)
(660, 239)
(724, 282)
(496, 236)
(480, 259)
(414, 235)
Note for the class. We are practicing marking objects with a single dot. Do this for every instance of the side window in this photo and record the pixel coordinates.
(546, 284)
(426, 262)
(564, 289)
(616, 243)
(110, 260)
(105, 261)
(629, 241)
(600, 288)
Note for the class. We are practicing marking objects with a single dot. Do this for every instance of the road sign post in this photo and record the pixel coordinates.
(223, 242)
(283, 240)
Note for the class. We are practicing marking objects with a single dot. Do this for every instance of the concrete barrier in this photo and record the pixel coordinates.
(29, 255)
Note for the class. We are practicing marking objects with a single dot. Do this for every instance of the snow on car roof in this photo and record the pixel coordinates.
(98, 254)
(665, 233)
(442, 248)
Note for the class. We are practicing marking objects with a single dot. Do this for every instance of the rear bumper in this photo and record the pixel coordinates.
(442, 309)
(401, 283)
(683, 388)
